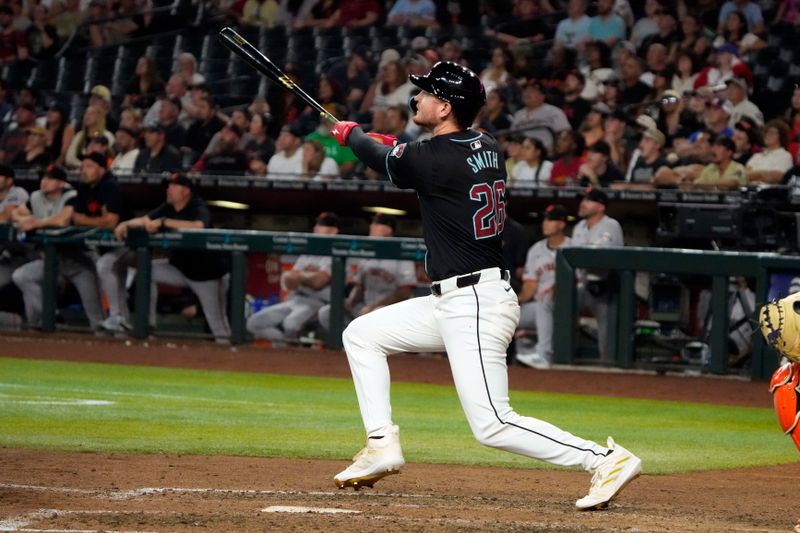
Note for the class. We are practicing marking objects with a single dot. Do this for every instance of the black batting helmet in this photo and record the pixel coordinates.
(457, 85)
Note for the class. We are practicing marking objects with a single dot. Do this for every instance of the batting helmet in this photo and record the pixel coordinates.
(457, 85)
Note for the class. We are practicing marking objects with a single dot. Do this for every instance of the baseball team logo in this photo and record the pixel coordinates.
(398, 150)
(475, 145)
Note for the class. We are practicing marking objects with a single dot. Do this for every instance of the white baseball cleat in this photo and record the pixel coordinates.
(619, 468)
(379, 458)
(533, 360)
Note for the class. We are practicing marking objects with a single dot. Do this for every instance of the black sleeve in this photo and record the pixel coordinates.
(371, 153)
(203, 214)
(113, 202)
(158, 212)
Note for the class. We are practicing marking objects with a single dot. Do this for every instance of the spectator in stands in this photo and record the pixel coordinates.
(791, 115)
(67, 17)
(570, 149)
(614, 126)
(599, 170)
(494, 115)
(226, 157)
(144, 85)
(13, 43)
(126, 146)
(260, 13)
(750, 10)
(787, 14)
(573, 31)
(726, 66)
(101, 30)
(203, 128)
(35, 153)
(657, 63)
(261, 147)
(513, 151)
(669, 116)
(316, 166)
(642, 169)
(496, 75)
(539, 119)
(203, 272)
(735, 32)
(357, 14)
(574, 106)
(47, 208)
(607, 26)
(175, 89)
(13, 140)
(11, 195)
(308, 283)
(717, 115)
(693, 41)
(592, 126)
(667, 35)
(723, 173)
(646, 25)
(168, 116)
(397, 122)
(377, 282)
(320, 16)
(391, 87)
(596, 230)
(93, 124)
(59, 133)
(537, 296)
(287, 163)
(157, 156)
(100, 97)
(41, 35)
(526, 26)
(187, 69)
(632, 89)
(772, 162)
(353, 77)
(742, 106)
(685, 74)
(413, 13)
(747, 140)
(532, 167)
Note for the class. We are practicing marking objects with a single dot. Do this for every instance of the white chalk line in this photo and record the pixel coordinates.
(51, 400)
(19, 523)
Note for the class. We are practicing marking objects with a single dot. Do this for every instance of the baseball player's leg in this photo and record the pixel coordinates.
(304, 309)
(212, 295)
(112, 269)
(406, 326)
(477, 357)
(544, 328)
(324, 317)
(162, 272)
(80, 270)
(527, 315)
(28, 278)
(264, 324)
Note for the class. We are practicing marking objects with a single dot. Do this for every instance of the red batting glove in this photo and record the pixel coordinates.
(341, 130)
(386, 140)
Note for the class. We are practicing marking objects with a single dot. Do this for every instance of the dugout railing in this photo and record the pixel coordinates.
(623, 263)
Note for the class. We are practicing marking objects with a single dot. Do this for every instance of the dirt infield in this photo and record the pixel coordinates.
(92, 492)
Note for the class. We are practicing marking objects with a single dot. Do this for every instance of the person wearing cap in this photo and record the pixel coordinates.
(537, 297)
(723, 172)
(205, 125)
(35, 153)
(308, 283)
(771, 163)
(169, 112)
(645, 164)
(687, 161)
(599, 170)
(157, 156)
(747, 140)
(342, 156)
(596, 230)
(204, 273)
(742, 106)
(378, 282)
(727, 64)
(13, 140)
(287, 163)
(12, 197)
(93, 124)
(472, 312)
(100, 97)
(48, 207)
(412, 13)
(126, 146)
(538, 118)
(227, 157)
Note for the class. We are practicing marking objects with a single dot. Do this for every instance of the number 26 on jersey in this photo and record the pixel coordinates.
(490, 218)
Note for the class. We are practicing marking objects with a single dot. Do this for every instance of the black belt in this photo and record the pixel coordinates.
(466, 281)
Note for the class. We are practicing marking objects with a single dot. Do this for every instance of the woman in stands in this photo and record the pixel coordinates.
(144, 85)
(94, 124)
(496, 74)
(59, 134)
(494, 116)
(772, 162)
(533, 169)
(260, 148)
(391, 87)
(316, 166)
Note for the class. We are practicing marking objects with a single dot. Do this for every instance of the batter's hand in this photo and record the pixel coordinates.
(341, 130)
(386, 140)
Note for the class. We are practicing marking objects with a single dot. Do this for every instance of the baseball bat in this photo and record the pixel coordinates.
(253, 57)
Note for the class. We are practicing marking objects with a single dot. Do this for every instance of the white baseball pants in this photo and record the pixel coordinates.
(474, 324)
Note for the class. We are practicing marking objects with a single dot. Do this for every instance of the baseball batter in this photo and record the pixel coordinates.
(459, 176)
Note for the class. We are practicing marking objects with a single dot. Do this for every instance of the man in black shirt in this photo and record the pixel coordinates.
(472, 312)
(203, 272)
(598, 169)
(157, 156)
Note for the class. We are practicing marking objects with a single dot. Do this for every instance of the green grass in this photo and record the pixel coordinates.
(158, 410)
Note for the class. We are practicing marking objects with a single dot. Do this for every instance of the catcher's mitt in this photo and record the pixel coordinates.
(785, 389)
(780, 325)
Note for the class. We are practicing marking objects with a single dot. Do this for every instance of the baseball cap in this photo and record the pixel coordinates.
(385, 219)
(595, 195)
(294, 128)
(55, 172)
(387, 56)
(556, 212)
(602, 108)
(6, 171)
(133, 133)
(721, 103)
(726, 143)
(727, 47)
(98, 158)
(328, 218)
(179, 178)
(656, 135)
(647, 122)
(101, 91)
(601, 147)
(153, 126)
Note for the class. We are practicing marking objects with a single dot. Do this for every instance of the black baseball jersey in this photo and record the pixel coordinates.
(91, 199)
(460, 180)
